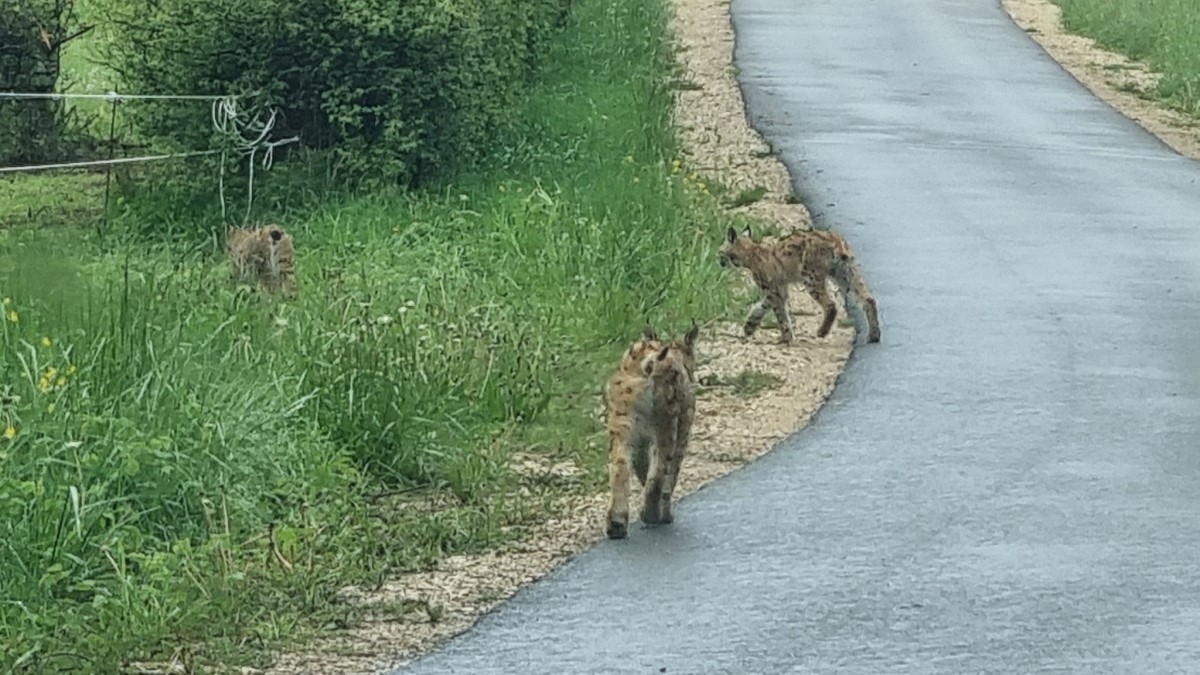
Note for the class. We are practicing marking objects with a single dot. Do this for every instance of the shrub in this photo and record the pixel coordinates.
(401, 90)
(32, 33)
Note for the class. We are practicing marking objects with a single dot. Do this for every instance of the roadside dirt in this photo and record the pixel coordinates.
(1123, 83)
(731, 428)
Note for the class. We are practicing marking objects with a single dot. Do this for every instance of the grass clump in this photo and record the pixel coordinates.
(188, 466)
(1164, 33)
(746, 384)
(748, 197)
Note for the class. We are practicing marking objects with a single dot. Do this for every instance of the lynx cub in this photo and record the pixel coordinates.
(263, 256)
(650, 400)
(808, 257)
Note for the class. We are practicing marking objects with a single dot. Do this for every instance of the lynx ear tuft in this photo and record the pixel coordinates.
(689, 338)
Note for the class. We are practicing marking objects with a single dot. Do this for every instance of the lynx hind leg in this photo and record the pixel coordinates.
(618, 474)
(661, 479)
(820, 292)
(675, 461)
(859, 300)
(639, 453)
(778, 301)
(872, 312)
(755, 317)
(652, 491)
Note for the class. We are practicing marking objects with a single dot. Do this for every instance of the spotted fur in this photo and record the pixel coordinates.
(807, 257)
(650, 400)
(263, 256)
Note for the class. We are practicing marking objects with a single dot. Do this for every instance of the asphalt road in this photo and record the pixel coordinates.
(1010, 482)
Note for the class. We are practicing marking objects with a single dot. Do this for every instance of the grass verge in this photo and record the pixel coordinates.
(1163, 33)
(189, 470)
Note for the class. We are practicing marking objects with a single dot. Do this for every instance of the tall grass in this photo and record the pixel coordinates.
(1164, 33)
(188, 464)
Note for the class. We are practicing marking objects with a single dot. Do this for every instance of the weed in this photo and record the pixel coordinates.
(748, 197)
(747, 384)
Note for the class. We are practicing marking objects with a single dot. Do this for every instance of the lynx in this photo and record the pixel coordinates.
(650, 400)
(808, 257)
(263, 256)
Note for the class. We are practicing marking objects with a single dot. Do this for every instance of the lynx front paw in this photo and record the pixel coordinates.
(651, 515)
(618, 525)
(617, 529)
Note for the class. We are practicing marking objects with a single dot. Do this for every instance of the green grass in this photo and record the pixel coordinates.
(196, 466)
(747, 384)
(748, 197)
(1164, 33)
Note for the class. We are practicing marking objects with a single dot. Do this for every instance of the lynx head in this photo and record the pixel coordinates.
(684, 350)
(734, 250)
(638, 351)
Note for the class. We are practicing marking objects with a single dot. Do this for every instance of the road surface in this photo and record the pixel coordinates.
(1010, 482)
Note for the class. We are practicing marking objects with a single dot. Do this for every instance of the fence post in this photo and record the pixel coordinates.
(112, 144)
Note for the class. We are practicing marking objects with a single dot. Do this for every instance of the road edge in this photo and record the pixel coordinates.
(1121, 82)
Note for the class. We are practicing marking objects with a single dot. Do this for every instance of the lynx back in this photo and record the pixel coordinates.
(262, 256)
(809, 258)
(650, 401)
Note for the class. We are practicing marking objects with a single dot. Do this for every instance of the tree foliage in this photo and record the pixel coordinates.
(32, 33)
(401, 89)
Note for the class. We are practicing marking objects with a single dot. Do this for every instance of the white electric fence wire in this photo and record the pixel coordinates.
(105, 162)
(248, 138)
(110, 96)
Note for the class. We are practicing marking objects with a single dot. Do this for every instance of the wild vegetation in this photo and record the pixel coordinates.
(191, 468)
(1164, 33)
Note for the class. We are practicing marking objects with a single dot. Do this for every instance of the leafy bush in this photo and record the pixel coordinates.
(402, 90)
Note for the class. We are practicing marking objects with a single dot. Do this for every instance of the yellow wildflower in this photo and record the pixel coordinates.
(71, 369)
(12, 315)
(62, 381)
(8, 301)
(50, 408)
(10, 432)
(46, 342)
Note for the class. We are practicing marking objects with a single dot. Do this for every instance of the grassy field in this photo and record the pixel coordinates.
(1164, 33)
(188, 466)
